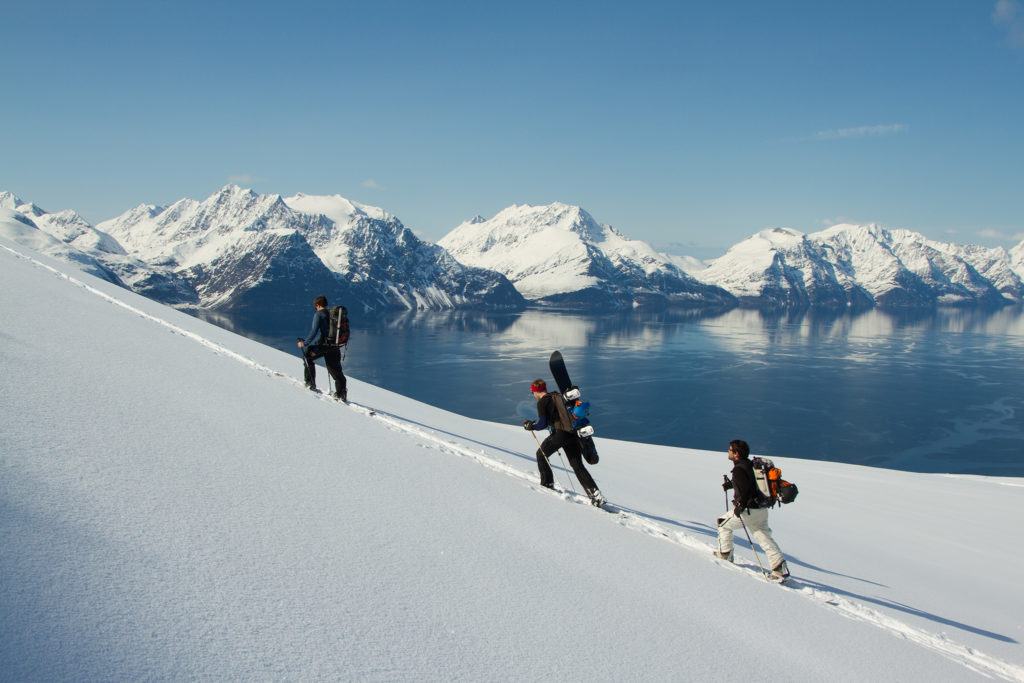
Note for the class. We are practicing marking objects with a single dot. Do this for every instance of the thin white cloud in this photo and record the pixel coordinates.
(1009, 15)
(860, 132)
(989, 233)
(372, 184)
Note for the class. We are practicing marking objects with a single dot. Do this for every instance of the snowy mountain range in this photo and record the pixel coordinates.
(860, 266)
(238, 249)
(558, 254)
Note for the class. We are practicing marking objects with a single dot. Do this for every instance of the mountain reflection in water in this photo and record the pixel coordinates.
(926, 391)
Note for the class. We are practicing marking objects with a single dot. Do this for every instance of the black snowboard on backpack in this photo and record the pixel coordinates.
(576, 409)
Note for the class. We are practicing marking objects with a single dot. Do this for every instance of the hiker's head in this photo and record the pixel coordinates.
(538, 386)
(320, 301)
(739, 449)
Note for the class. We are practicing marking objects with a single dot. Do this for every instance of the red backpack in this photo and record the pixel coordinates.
(338, 331)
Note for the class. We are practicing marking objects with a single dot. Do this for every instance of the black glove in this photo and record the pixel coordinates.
(528, 425)
(726, 485)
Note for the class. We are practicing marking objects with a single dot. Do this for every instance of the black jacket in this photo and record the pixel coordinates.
(744, 487)
(548, 414)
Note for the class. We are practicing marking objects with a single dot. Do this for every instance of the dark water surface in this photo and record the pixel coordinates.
(937, 391)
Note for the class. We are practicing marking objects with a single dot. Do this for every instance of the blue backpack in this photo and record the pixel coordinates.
(578, 412)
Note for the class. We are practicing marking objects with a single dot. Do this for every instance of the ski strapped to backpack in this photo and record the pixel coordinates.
(578, 411)
(770, 483)
(338, 331)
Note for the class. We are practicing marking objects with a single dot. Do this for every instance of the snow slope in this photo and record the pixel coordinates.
(174, 505)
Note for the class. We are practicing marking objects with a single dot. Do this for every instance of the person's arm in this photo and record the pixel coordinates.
(314, 332)
(542, 419)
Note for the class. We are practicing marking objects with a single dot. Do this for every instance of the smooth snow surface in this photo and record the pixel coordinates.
(175, 505)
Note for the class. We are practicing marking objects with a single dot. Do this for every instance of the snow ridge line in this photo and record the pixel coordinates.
(939, 643)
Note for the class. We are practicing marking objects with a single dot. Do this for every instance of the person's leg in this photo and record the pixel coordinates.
(547, 477)
(575, 456)
(727, 526)
(757, 524)
(309, 363)
(332, 358)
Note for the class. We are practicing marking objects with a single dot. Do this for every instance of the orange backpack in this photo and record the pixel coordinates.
(770, 482)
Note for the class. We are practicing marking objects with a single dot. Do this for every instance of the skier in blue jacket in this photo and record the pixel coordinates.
(315, 346)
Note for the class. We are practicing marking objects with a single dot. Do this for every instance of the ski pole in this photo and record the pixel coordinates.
(564, 467)
(756, 557)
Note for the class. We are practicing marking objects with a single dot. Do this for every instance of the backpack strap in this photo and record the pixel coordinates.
(564, 423)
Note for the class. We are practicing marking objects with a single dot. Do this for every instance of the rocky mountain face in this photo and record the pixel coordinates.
(860, 266)
(239, 250)
(559, 255)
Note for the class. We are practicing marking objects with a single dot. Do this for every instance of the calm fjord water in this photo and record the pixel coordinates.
(935, 391)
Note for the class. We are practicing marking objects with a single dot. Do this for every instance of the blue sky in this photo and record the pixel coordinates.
(698, 123)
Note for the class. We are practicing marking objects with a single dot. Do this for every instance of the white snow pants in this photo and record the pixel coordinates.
(757, 524)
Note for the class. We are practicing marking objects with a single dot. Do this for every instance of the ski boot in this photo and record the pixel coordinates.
(780, 573)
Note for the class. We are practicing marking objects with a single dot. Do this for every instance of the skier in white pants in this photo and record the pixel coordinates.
(747, 511)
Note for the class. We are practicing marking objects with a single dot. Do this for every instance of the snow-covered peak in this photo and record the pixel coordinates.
(9, 200)
(775, 267)
(335, 207)
(873, 230)
(1017, 258)
(766, 241)
(10, 216)
(523, 242)
(32, 209)
(558, 253)
(557, 218)
(189, 232)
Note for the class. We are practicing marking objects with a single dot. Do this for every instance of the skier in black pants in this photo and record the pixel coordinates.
(562, 436)
(314, 346)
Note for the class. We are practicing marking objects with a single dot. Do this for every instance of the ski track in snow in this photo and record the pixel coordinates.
(635, 521)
